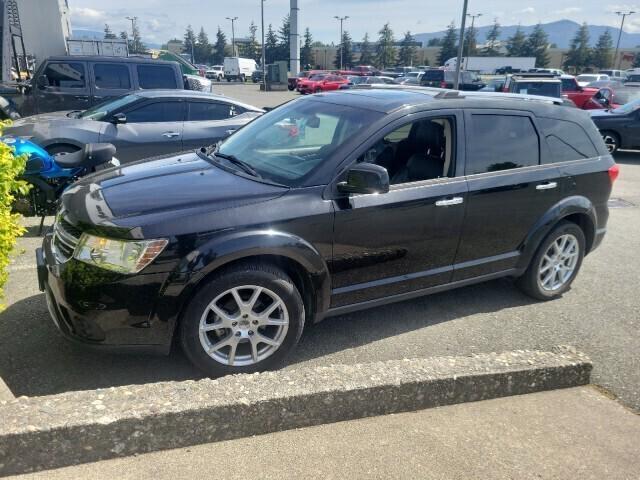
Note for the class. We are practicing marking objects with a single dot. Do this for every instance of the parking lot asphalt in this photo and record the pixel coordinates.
(600, 316)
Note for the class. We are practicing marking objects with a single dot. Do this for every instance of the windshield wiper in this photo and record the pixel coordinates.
(239, 163)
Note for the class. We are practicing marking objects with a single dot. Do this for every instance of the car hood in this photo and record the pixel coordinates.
(602, 113)
(163, 190)
(48, 125)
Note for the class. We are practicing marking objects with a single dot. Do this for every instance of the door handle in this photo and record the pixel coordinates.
(171, 134)
(81, 98)
(449, 201)
(547, 186)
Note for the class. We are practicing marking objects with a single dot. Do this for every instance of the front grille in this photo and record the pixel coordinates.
(65, 239)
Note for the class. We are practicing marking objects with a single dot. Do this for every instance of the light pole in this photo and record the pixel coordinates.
(264, 66)
(341, 20)
(624, 15)
(456, 81)
(133, 29)
(473, 21)
(233, 34)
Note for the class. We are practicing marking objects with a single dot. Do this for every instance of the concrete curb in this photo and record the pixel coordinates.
(49, 432)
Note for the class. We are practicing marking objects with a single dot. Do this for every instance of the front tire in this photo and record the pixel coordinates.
(244, 320)
(611, 140)
(556, 263)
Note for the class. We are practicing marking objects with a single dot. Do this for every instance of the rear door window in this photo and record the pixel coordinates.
(156, 112)
(501, 142)
(203, 111)
(156, 76)
(111, 76)
(567, 141)
(432, 75)
(64, 76)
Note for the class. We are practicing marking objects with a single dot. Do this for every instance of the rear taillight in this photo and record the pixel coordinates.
(614, 171)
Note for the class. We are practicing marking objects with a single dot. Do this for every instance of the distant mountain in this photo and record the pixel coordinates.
(560, 33)
(79, 33)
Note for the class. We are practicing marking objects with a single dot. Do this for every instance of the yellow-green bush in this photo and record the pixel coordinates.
(11, 166)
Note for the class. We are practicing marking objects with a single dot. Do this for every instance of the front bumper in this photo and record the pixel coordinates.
(103, 309)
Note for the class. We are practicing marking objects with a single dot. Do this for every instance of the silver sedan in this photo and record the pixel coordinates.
(140, 125)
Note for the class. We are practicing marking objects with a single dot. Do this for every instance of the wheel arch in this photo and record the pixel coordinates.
(295, 256)
(56, 142)
(575, 209)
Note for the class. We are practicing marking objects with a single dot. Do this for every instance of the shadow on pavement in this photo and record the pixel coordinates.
(36, 360)
(627, 157)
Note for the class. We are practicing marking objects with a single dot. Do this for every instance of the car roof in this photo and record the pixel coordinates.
(190, 94)
(97, 58)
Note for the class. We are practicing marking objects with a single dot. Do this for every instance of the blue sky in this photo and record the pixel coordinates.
(160, 20)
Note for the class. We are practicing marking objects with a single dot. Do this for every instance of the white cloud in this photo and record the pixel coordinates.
(568, 11)
(528, 10)
(88, 13)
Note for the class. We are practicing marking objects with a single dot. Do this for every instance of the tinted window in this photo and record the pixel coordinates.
(154, 76)
(566, 140)
(64, 75)
(546, 89)
(156, 112)
(433, 75)
(569, 85)
(501, 142)
(111, 76)
(200, 111)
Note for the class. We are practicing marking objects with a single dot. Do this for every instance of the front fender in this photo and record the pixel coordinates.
(224, 249)
(568, 206)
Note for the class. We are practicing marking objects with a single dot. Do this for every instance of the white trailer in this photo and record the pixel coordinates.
(236, 68)
(107, 47)
(489, 65)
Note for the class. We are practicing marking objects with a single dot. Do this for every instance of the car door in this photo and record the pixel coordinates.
(152, 128)
(509, 191)
(62, 86)
(109, 80)
(404, 240)
(629, 128)
(207, 122)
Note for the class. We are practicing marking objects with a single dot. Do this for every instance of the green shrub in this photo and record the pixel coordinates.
(11, 167)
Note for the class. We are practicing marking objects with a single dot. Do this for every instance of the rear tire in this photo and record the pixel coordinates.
(556, 263)
(248, 337)
(611, 140)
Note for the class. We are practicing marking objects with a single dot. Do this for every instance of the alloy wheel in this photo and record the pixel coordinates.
(611, 142)
(244, 325)
(558, 263)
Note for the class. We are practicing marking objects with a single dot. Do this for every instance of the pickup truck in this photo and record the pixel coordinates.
(581, 96)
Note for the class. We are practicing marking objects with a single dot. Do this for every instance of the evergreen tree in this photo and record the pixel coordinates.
(270, 45)
(537, 45)
(434, 42)
(579, 55)
(491, 47)
(603, 51)
(108, 34)
(252, 48)
(470, 42)
(137, 46)
(366, 51)
(408, 51)
(448, 46)
(219, 47)
(385, 50)
(346, 47)
(516, 44)
(284, 40)
(190, 43)
(306, 52)
(204, 50)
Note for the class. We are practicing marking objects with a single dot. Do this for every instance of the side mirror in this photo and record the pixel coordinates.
(119, 118)
(365, 178)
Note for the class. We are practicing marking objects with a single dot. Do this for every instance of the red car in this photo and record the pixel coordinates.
(321, 82)
(365, 70)
(611, 98)
(581, 96)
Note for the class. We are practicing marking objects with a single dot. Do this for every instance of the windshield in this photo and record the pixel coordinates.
(317, 77)
(289, 142)
(546, 89)
(105, 109)
(628, 107)
(624, 96)
(587, 78)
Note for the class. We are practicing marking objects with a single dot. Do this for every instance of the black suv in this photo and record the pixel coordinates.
(436, 77)
(328, 204)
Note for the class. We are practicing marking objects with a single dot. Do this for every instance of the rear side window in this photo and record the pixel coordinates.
(567, 141)
(156, 76)
(501, 142)
(433, 75)
(569, 85)
(60, 76)
(202, 111)
(112, 76)
(156, 112)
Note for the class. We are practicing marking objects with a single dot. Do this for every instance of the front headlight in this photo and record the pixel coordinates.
(122, 256)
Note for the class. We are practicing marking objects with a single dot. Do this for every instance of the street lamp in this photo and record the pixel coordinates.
(341, 20)
(473, 21)
(133, 27)
(264, 66)
(233, 34)
(624, 15)
(456, 81)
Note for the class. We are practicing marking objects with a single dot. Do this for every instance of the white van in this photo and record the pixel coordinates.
(236, 68)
